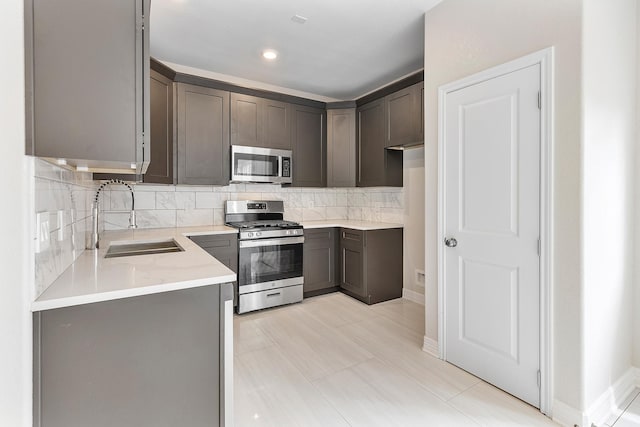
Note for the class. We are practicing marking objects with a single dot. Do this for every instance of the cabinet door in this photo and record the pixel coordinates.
(371, 140)
(86, 69)
(160, 169)
(223, 247)
(341, 148)
(245, 120)
(402, 116)
(319, 260)
(203, 135)
(275, 129)
(309, 147)
(352, 262)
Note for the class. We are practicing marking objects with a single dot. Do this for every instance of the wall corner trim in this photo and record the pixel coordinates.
(431, 346)
(414, 296)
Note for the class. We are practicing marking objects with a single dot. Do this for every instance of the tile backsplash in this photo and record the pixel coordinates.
(64, 197)
(61, 197)
(160, 206)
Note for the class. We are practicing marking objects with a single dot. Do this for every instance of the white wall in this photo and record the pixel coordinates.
(466, 36)
(15, 350)
(636, 298)
(413, 180)
(608, 140)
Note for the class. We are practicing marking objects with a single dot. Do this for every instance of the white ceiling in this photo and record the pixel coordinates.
(347, 48)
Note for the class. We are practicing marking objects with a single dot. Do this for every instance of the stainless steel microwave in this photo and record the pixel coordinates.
(257, 164)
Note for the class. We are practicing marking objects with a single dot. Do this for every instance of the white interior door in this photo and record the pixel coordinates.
(492, 209)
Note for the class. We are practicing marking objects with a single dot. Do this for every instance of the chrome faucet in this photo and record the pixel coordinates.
(94, 240)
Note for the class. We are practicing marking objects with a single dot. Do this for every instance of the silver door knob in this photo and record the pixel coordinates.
(450, 242)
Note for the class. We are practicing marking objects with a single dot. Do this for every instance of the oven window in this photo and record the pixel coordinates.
(255, 165)
(268, 263)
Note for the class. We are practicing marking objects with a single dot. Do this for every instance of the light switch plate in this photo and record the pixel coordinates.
(42, 231)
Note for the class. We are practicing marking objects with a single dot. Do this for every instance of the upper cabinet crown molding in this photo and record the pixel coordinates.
(91, 112)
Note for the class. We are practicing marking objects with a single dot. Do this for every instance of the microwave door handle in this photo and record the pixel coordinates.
(270, 242)
(279, 173)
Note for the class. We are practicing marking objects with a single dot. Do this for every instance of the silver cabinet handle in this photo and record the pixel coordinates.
(450, 242)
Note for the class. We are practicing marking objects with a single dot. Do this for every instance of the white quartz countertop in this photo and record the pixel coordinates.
(356, 225)
(94, 278)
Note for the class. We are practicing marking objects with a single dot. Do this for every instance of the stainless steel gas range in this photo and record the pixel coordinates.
(269, 254)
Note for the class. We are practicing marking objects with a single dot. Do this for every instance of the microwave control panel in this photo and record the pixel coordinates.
(286, 167)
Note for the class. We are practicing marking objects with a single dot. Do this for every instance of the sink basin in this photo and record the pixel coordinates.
(117, 249)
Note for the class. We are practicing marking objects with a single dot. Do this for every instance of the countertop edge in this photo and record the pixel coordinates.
(127, 293)
(344, 224)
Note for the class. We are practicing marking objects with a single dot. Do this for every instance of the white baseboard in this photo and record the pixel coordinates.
(606, 407)
(609, 403)
(566, 415)
(431, 346)
(413, 296)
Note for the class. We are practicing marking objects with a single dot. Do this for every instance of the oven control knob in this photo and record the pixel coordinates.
(250, 234)
(258, 233)
(288, 232)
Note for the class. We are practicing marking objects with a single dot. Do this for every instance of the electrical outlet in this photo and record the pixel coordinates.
(42, 232)
(419, 278)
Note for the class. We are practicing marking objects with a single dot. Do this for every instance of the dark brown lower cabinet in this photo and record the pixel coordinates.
(371, 264)
(224, 248)
(320, 256)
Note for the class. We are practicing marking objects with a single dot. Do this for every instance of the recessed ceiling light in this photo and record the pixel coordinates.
(299, 19)
(270, 54)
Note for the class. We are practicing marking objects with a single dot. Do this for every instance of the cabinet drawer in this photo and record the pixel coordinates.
(350, 235)
(270, 298)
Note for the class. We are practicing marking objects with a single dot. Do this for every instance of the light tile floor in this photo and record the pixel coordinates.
(630, 416)
(333, 361)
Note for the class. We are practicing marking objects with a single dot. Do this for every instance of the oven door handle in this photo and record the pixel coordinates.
(270, 242)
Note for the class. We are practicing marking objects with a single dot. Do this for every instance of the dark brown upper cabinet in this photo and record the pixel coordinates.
(404, 116)
(370, 159)
(341, 147)
(87, 82)
(202, 135)
(260, 122)
(162, 166)
(309, 146)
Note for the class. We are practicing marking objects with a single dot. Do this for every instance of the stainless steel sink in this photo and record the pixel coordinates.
(117, 249)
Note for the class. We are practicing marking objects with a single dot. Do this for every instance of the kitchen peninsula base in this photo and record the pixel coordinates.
(152, 360)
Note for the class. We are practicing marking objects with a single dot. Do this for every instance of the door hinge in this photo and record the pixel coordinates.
(539, 379)
(539, 100)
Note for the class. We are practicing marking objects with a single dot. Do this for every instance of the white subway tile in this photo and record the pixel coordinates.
(166, 199)
(354, 213)
(156, 218)
(218, 217)
(325, 199)
(194, 217)
(337, 212)
(206, 201)
(145, 187)
(314, 214)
